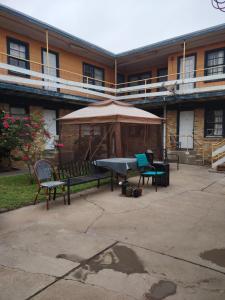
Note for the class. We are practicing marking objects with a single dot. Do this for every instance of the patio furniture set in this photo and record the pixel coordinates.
(69, 174)
(113, 116)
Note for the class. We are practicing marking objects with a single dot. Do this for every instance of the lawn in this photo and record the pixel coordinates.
(17, 191)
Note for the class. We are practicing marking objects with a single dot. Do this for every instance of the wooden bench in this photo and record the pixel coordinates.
(79, 172)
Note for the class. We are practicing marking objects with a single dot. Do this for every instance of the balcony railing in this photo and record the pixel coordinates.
(75, 83)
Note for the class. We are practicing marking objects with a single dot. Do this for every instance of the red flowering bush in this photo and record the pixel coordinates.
(22, 138)
(57, 145)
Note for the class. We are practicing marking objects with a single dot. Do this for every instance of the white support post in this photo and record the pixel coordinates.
(47, 51)
(184, 58)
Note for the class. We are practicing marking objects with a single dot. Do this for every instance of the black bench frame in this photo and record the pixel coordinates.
(78, 172)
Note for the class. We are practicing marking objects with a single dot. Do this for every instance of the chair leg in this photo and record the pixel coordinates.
(54, 195)
(139, 181)
(64, 196)
(36, 197)
(98, 184)
(148, 180)
(143, 180)
(155, 179)
(68, 194)
(48, 197)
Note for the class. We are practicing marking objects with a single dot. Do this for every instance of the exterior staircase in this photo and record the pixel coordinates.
(218, 155)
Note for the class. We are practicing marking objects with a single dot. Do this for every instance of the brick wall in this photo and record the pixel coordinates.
(202, 145)
(171, 121)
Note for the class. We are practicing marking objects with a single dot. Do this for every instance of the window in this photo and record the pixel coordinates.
(18, 112)
(186, 69)
(139, 79)
(51, 67)
(96, 75)
(18, 55)
(214, 60)
(120, 80)
(214, 122)
(162, 75)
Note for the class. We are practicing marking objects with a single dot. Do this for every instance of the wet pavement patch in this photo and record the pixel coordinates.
(216, 256)
(161, 290)
(119, 258)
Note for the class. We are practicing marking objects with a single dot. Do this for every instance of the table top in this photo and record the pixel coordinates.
(119, 165)
(119, 160)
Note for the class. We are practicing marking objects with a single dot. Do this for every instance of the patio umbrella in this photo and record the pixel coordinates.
(113, 113)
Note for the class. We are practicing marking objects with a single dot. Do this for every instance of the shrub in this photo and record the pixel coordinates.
(22, 138)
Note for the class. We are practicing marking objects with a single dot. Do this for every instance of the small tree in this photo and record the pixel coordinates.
(22, 138)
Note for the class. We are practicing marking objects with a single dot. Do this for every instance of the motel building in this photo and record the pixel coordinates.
(182, 80)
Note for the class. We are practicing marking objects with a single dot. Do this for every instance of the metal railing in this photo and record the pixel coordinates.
(200, 147)
(73, 82)
(218, 151)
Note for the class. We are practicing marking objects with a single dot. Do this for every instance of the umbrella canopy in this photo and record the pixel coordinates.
(111, 111)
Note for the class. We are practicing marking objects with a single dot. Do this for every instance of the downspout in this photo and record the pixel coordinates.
(164, 128)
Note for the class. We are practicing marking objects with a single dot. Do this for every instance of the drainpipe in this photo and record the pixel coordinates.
(164, 127)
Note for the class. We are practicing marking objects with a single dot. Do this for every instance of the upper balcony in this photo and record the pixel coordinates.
(189, 83)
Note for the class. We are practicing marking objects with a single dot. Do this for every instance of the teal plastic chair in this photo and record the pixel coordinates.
(147, 170)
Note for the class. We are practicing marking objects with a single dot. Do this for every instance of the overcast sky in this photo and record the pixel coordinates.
(120, 25)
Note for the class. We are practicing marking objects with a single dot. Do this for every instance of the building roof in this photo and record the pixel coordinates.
(195, 38)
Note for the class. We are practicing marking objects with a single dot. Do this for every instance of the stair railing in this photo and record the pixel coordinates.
(216, 154)
(201, 146)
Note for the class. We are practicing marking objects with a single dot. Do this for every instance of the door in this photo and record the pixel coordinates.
(50, 125)
(50, 67)
(186, 128)
(189, 72)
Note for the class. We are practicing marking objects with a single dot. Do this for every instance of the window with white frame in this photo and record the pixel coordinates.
(214, 123)
(18, 112)
(214, 62)
(18, 54)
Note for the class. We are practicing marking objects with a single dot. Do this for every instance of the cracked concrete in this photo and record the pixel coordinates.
(105, 246)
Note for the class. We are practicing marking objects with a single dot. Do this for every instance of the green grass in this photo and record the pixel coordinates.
(17, 191)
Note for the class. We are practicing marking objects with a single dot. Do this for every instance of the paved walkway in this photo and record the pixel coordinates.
(164, 245)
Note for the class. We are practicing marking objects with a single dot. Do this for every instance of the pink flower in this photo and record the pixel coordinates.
(59, 145)
(5, 125)
(25, 158)
(7, 116)
(28, 125)
(26, 118)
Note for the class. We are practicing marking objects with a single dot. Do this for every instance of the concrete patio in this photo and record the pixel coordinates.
(164, 245)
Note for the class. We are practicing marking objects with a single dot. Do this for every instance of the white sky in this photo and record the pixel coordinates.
(120, 25)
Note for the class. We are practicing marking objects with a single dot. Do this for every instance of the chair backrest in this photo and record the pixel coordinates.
(142, 160)
(43, 170)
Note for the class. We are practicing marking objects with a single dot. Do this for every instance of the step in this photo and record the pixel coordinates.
(221, 168)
